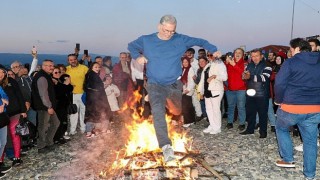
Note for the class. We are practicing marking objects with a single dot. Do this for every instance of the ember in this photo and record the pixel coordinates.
(141, 158)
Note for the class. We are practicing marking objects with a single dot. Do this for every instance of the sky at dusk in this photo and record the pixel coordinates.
(107, 26)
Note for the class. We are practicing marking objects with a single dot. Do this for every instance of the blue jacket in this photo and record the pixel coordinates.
(298, 81)
(259, 78)
(164, 56)
(3, 95)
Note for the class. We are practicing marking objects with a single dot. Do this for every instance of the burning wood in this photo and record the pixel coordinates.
(142, 158)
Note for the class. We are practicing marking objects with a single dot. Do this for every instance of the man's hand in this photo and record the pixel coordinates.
(142, 60)
(50, 111)
(5, 102)
(2, 108)
(211, 77)
(246, 75)
(28, 105)
(24, 115)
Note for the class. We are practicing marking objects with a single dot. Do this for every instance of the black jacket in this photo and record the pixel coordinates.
(36, 101)
(17, 103)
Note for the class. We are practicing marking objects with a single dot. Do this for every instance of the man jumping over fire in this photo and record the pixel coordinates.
(161, 51)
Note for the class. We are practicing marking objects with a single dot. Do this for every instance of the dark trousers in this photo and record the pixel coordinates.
(63, 127)
(256, 105)
(188, 111)
(47, 127)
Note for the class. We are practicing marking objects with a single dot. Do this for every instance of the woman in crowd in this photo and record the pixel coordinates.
(97, 106)
(188, 111)
(211, 87)
(4, 101)
(15, 109)
(63, 90)
(236, 93)
(203, 61)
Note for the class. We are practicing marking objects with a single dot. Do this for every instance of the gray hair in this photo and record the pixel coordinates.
(168, 19)
(16, 62)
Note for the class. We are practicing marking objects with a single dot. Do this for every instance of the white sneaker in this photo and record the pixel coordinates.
(215, 132)
(207, 130)
(187, 125)
(168, 153)
(66, 137)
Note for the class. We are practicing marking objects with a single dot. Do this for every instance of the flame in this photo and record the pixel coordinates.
(142, 139)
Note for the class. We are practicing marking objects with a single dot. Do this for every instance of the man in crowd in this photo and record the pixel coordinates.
(315, 44)
(44, 102)
(257, 76)
(195, 66)
(122, 78)
(297, 89)
(77, 74)
(161, 52)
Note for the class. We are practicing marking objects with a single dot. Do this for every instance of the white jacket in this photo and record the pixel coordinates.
(111, 92)
(190, 86)
(219, 69)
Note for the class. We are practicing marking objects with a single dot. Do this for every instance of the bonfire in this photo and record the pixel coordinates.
(141, 158)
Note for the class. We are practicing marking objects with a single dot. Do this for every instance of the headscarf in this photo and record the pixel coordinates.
(185, 70)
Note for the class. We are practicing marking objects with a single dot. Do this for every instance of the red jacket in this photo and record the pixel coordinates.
(235, 81)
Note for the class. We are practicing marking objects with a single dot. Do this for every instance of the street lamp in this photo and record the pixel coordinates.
(294, 2)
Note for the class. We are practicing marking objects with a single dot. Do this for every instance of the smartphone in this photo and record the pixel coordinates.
(78, 46)
(85, 52)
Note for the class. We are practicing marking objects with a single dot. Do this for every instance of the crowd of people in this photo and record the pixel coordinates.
(86, 95)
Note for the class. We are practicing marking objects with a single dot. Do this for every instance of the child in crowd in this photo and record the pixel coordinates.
(112, 92)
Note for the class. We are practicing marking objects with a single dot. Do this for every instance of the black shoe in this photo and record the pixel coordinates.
(16, 162)
(273, 129)
(4, 169)
(295, 133)
(198, 118)
(2, 175)
(43, 150)
(257, 126)
(60, 141)
(246, 133)
(241, 127)
(229, 125)
(263, 134)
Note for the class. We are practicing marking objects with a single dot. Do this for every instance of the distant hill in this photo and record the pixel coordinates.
(7, 58)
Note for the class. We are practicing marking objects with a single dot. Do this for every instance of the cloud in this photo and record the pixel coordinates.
(62, 41)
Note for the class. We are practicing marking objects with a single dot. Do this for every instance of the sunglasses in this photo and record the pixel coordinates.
(57, 72)
(209, 55)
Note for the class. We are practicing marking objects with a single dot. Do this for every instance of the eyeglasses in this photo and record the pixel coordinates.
(14, 67)
(57, 72)
(209, 55)
(168, 31)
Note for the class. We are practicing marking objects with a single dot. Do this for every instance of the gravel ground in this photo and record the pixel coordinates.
(243, 157)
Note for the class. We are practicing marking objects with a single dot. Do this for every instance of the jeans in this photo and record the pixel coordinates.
(203, 107)
(236, 98)
(308, 126)
(16, 139)
(162, 96)
(3, 140)
(89, 126)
